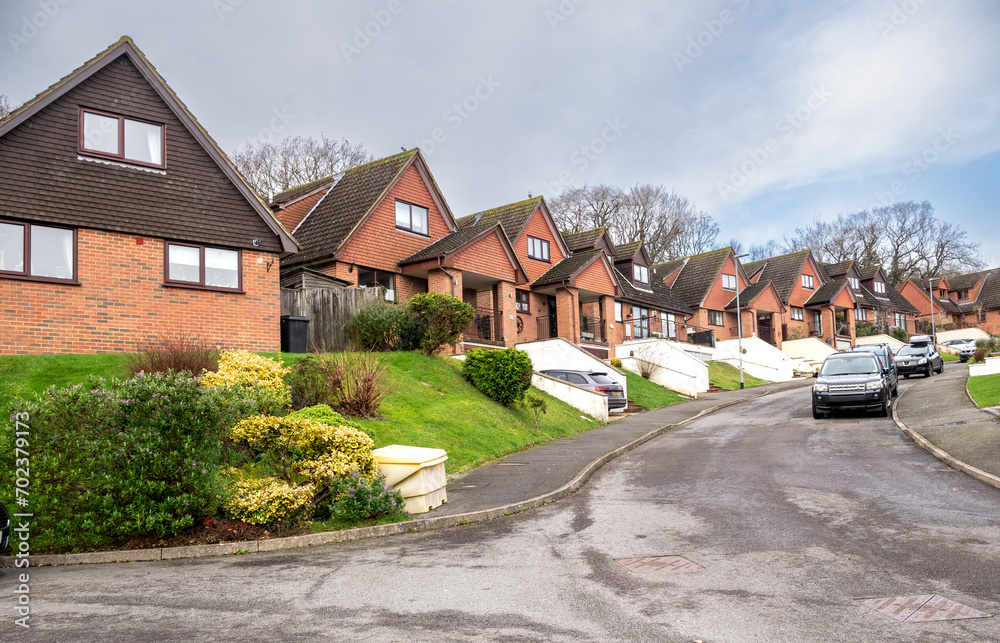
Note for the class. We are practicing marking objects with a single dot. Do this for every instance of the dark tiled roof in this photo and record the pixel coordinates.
(989, 295)
(749, 293)
(782, 271)
(661, 297)
(298, 191)
(450, 243)
(697, 276)
(626, 251)
(569, 266)
(966, 282)
(662, 270)
(343, 207)
(577, 241)
(513, 217)
(898, 302)
(834, 270)
(868, 272)
(827, 292)
(867, 299)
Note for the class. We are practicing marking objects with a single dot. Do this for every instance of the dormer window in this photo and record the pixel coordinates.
(640, 273)
(538, 249)
(112, 136)
(855, 284)
(729, 282)
(963, 295)
(879, 287)
(807, 282)
(942, 293)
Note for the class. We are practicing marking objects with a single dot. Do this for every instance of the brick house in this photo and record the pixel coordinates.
(946, 312)
(879, 304)
(121, 221)
(817, 305)
(707, 283)
(978, 296)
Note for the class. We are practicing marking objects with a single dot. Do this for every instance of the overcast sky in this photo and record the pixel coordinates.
(765, 114)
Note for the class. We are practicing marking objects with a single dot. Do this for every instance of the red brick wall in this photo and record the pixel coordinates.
(538, 307)
(486, 257)
(538, 228)
(407, 286)
(293, 214)
(121, 300)
(717, 297)
(801, 295)
(596, 278)
(378, 244)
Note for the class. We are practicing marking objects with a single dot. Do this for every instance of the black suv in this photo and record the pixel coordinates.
(852, 380)
(919, 356)
(884, 352)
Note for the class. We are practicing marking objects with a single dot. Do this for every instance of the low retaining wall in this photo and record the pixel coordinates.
(590, 402)
(678, 370)
(990, 367)
(558, 353)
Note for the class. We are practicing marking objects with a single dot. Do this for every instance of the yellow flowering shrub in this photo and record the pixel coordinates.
(248, 369)
(262, 501)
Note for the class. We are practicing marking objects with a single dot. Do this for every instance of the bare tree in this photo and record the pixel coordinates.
(589, 207)
(5, 106)
(274, 167)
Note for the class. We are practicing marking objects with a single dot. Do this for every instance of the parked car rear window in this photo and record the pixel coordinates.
(601, 379)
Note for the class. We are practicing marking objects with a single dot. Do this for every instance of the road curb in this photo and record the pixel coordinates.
(376, 531)
(941, 454)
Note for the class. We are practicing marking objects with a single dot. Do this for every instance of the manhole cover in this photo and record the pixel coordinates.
(655, 564)
(926, 607)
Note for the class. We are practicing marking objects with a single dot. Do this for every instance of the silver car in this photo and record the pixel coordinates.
(965, 347)
(595, 381)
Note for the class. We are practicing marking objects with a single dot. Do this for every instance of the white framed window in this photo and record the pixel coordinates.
(797, 314)
(900, 319)
(860, 314)
(538, 249)
(411, 217)
(855, 284)
(728, 282)
(671, 325)
(640, 273)
(807, 282)
(618, 311)
(879, 287)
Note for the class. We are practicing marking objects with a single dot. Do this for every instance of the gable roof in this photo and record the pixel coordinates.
(351, 199)
(697, 276)
(513, 216)
(989, 294)
(898, 302)
(576, 241)
(460, 239)
(569, 267)
(947, 305)
(753, 291)
(283, 199)
(833, 270)
(626, 251)
(125, 47)
(966, 282)
(828, 292)
(782, 270)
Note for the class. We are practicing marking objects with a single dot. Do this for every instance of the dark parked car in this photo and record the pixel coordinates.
(596, 381)
(919, 356)
(851, 380)
(888, 360)
(4, 530)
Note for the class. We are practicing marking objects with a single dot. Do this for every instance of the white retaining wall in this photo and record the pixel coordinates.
(880, 339)
(990, 367)
(548, 354)
(590, 402)
(679, 370)
(761, 360)
(965, 333)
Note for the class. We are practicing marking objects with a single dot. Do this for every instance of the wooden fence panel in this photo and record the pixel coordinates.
(328, 310)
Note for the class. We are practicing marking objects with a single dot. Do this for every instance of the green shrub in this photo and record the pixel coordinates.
(307, 384)
(502, 375)
(112, 459)
(358, 498)
(900, 334)
(443, 317)
(324, 415)
(386, 326)
(865, 329)
(356, 383)
(248, 369)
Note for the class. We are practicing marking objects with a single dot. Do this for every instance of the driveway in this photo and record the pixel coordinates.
(788, 523)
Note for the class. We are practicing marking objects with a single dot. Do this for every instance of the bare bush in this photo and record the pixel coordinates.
(645, 362)
(173, 353)
(354, 382)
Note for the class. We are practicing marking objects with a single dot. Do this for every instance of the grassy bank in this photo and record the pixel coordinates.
(948, 357)
(985, 390)
(727, 377)
(645, 393)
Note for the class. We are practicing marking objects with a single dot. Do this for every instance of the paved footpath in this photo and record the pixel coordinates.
(550, 466)
(940, 411)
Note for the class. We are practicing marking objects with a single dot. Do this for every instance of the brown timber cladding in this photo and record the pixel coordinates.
(193, 201)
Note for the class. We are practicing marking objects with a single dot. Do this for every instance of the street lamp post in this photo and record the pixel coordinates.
(930, 291)
(739, 316)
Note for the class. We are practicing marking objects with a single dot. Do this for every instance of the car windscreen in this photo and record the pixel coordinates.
(912, 350)
(601, 378)
(860, 365)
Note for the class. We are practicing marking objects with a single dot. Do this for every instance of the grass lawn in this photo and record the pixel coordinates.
(948, 357)
(647, 394)
(433, 406)
(985, 390)
(727, 377)
(23, 375)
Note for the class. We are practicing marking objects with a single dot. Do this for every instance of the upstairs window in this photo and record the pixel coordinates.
(855, 284)
(728, 282)
(523, 301)
(640, 273)
(618, 311)
(807, 282)
(942, 293)
(538, 249)
(203, 267)
(879, 287)
(797, 314)
(963, 295)
(125, 139)
(37, 252)
(411, 217)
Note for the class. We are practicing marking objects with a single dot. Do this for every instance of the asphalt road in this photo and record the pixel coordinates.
(793, 520)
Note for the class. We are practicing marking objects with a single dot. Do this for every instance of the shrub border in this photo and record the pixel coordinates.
(376, 531)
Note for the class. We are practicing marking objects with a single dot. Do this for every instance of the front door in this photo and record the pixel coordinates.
(553, 323)
(764, 329)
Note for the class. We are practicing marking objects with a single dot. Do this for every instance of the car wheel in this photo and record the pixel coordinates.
(941, 368)
(895, 390)
(930, 371)
(886, 410)
(817, 415)
(906, 377)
